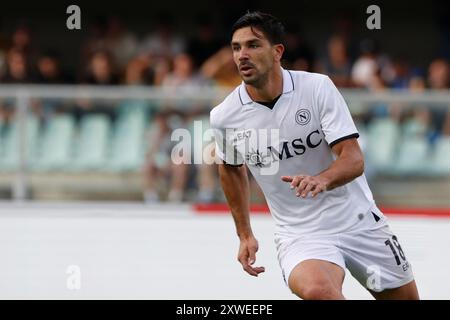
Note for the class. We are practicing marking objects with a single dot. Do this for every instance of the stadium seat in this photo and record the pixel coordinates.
(362, 140)
(10, 143)
(440, 163)
(93, 143)
(382, 141)
(414, 128)
(2, 125)
(412, 158)
(127, 141)
(57, 144)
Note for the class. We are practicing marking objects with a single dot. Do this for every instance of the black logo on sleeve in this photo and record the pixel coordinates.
(303, 116)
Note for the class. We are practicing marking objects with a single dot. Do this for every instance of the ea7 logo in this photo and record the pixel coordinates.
(303, 116)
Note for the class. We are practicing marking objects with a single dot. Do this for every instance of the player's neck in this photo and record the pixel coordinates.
(271, 89)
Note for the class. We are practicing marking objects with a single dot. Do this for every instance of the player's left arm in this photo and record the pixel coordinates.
(349, 164)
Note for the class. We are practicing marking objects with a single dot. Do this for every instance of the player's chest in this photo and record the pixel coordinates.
(290, 118)
(281, 133)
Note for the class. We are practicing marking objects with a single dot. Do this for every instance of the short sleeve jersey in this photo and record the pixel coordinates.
(294, 137)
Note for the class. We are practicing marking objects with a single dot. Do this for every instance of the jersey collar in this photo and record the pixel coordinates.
(288, 86)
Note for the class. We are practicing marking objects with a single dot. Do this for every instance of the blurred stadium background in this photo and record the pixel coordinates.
(86, 118)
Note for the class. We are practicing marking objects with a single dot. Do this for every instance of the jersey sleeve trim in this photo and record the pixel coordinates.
(350, 136)
(232, 165)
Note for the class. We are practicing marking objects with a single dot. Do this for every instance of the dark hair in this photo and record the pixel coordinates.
(272, 28)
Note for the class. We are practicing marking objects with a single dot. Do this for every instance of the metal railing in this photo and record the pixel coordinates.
(208, 95)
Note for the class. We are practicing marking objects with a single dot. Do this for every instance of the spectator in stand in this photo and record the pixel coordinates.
(297, 55)
(337, 64)
(120, 42)
(184, 77)
(2, 52)
(136, 72)
(158, 168)
(417, 82)
(21, 40)
(439, 79)
(94, 42)
(439, 74)
(17, 72)
(176, 115)
(101, 71)
(365, 68)
(17, 68)
(420, 123)
(205, 42)
(221, 69)
(163, 42)
(49, 69)
(160, 69)
(401, 74)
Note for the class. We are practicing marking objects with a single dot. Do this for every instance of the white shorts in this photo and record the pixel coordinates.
(373, 256)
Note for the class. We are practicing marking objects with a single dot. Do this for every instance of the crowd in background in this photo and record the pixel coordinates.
(114, 55)
(111, 54)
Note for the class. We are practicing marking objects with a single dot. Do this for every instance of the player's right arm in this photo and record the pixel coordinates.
(234, 181)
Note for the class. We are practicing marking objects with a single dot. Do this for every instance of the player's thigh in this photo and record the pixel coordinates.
(314, 273)
(376, 259)
(406, 292)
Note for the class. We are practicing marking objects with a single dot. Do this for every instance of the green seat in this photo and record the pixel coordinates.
(57, 144)
(127, 143)
(412, 157)
(413, 127)
(2, 126)
(382, 141)
(440, 162)
(363, 134)
(10, 144)
(93, 143)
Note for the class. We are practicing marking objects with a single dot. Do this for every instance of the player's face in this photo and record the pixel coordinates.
(254, 55)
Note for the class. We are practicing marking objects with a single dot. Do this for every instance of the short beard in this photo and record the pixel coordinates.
(257, 82)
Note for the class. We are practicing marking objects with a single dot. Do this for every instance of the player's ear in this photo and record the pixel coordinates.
(278, 51)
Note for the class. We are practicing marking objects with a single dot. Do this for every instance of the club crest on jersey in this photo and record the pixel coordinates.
(303, 116)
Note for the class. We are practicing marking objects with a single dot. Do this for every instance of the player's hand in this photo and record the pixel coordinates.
(303, 185)
(247, 256)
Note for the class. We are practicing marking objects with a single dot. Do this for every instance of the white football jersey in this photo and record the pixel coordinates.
(294, 137)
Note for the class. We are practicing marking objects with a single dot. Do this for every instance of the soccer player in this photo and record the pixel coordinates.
(311, 171)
